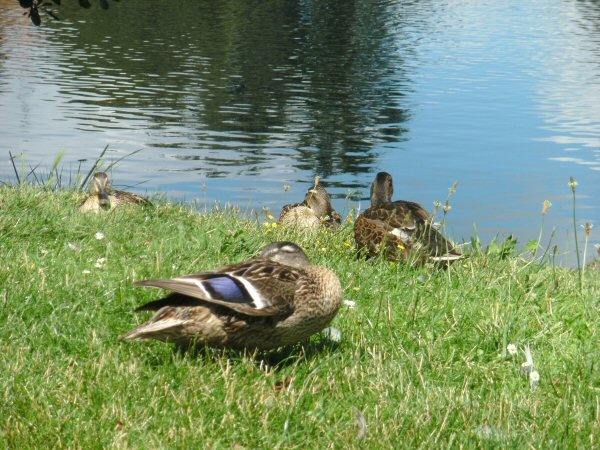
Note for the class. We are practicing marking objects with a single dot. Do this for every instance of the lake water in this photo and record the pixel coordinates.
(244, 97)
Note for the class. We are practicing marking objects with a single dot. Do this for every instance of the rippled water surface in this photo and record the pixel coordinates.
(247, 96)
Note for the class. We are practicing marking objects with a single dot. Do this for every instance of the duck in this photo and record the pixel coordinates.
(316, 211)
(103, 197)
(272, 301)
(402, 229)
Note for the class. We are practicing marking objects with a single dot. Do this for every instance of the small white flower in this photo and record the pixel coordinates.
(100, 263)
(350, 304)
(86, 271)
(44, 252)
(99, 235)
(534, 378)
(526, 368)
(511, 349)
(72, 246)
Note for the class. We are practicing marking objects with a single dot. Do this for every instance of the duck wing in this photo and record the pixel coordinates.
(129, 197)
(287, 208)
(256, 288)
(394, 215)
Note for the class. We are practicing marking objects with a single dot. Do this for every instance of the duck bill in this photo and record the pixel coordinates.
(104, 199)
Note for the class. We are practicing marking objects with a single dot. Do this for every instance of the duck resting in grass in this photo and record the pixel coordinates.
(271, 301)
(103, 197)
(401, 229)
(313, 213)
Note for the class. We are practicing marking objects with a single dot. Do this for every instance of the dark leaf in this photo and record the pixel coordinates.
(56, 1)
(35, 17)
(104, 4)
(84, 3)
(26, 3)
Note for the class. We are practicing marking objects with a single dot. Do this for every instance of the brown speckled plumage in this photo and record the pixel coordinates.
(275, 300)
(314, 212)
(401, 229)
(103, 197)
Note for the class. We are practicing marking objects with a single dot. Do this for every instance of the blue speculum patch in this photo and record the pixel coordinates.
(227, 288)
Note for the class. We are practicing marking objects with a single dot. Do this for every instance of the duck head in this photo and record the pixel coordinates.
(100, 186)
(382, 189)
(318, 200)
(287, 253)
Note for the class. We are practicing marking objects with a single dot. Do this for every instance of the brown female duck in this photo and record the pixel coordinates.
(274, 300)
(401, 229)
(103, 197)
(314, 212)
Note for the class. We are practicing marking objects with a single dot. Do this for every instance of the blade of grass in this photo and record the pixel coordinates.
(12, 160)
(54, 170)
(573, 185)
(112, 164)
(93, 168)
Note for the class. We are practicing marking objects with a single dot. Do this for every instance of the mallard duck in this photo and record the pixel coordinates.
(103, 197)
(271, 301)
(402, 229)
(314, 212)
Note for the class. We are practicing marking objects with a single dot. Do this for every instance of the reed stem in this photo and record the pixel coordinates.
(573, 185)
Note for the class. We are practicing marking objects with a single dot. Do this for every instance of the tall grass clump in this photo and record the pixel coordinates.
(416, 358)
(56, 178)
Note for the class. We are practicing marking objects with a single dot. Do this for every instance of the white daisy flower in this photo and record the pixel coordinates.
(99, 235)
(534, 378)
(511, 349)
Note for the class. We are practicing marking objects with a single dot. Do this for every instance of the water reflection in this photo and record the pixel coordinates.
(570, 92)
(242, 83)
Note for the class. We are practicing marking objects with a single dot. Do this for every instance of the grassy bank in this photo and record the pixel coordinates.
(422, 360)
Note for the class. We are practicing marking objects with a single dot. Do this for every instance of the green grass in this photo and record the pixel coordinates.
(422, 356)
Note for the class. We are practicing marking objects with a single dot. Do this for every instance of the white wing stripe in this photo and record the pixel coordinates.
(257, 299)
(194, 282)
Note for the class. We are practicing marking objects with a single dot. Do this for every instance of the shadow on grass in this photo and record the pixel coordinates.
(271, 360)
